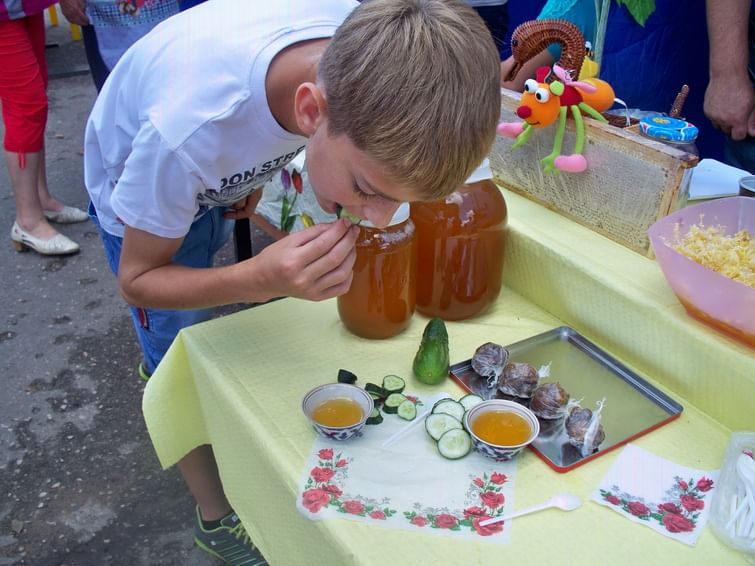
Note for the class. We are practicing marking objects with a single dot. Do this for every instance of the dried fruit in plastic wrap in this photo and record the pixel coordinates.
(584, 429)
(489, 360)
(549, 401)
(521, 379)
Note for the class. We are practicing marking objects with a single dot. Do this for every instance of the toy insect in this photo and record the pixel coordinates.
(550, 98)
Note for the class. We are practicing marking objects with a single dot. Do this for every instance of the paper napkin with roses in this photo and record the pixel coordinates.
(671, 499)
(408, 484)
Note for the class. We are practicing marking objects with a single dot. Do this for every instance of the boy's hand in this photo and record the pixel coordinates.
(245, 207)
(313, 264)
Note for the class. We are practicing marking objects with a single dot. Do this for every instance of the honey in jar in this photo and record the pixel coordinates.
(337, 412)
(380, 302)
(502, 428)
(460, 247)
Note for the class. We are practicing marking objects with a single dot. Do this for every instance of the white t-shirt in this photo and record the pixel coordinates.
(183, 123)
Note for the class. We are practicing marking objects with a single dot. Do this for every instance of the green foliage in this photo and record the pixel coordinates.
(640, 9)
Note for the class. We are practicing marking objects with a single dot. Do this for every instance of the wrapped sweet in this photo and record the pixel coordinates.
(518, 379)
(549, 401)
(584, 429)
(489, 360)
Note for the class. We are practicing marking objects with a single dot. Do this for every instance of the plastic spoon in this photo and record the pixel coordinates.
(563, 501)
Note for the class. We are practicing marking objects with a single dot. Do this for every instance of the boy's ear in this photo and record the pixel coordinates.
(309, 107)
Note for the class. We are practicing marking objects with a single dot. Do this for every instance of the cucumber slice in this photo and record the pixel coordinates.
(407, 410)
(341, 212)
(345, 376)
(469, 401)
(454, 444)
(393, 384)
(376, 389)
(437, 424)
(450, 407)
(376, 399)
(392, 402)
(375, 417)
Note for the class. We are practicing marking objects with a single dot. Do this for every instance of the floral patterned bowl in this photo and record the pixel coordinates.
(495, 451)
(328, 391)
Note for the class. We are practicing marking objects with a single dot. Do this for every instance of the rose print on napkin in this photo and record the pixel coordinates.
(485, 502)
(323, 489)
(678, 513)
(660, 494)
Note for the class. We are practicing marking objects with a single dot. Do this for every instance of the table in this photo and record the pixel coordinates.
(237, 382)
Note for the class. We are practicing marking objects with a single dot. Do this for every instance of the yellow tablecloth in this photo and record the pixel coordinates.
(238, 382)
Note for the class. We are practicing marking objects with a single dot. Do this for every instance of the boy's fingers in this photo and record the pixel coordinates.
(337, 289)
(314, 244)
(335, 257)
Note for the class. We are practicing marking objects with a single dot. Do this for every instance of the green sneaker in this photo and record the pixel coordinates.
(229, 542)
(142, 371)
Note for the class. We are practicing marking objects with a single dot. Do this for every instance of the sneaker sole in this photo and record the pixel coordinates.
(208, 550)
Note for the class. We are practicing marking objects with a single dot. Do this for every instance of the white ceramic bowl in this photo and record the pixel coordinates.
(322, 393)
(495, 451)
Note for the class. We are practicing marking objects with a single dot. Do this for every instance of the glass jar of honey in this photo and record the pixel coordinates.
(380, 302)
(460, 246)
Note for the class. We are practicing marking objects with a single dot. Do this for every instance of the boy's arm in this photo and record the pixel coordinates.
(729, 98)
(313, 264)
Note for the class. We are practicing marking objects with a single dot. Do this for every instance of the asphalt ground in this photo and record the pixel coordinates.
(79, 481)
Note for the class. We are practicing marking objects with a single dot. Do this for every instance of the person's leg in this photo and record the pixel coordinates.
(23, 181)
(24, 106)
(218, 529)
(157, 328)
(200, 472)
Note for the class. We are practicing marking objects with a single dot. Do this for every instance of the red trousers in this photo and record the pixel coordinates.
(23, 84)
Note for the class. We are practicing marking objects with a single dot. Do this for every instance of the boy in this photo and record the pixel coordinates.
(399, 100)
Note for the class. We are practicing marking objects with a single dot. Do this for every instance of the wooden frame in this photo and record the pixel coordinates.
(631, 181)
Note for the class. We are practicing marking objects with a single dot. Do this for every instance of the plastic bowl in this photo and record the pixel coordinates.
(498, 452)
(322, 393)
(712, 298)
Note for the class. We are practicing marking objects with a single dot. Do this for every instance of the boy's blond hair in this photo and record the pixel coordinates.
(415, 84)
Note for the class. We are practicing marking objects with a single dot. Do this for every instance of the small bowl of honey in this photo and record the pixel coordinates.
(501, 429)
(337, 410)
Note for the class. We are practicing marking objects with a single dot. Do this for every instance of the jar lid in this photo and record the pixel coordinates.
(668, 129)
(401, 215)
(482, 173)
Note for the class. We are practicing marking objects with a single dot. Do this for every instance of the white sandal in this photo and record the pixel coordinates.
(68, 215)
(57, 245)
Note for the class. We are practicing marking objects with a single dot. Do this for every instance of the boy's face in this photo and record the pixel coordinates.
(341, 174)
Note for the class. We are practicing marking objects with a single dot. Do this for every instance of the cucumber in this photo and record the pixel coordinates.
(393, 384)
(341, 212)
(469, 401)
(407, 410)
(345, 376)
(375, 417)
(376, 389)
(439, 423)
(450, 407)
(431, 361)
(392, 402)
(454, 444)
(376, 399)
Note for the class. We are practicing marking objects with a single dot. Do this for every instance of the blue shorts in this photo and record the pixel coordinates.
(156, 328)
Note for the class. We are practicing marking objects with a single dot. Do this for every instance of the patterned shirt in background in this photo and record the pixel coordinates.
(120, 23)
(16, 9)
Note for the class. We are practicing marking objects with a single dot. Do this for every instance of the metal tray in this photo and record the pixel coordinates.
(632, 408)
